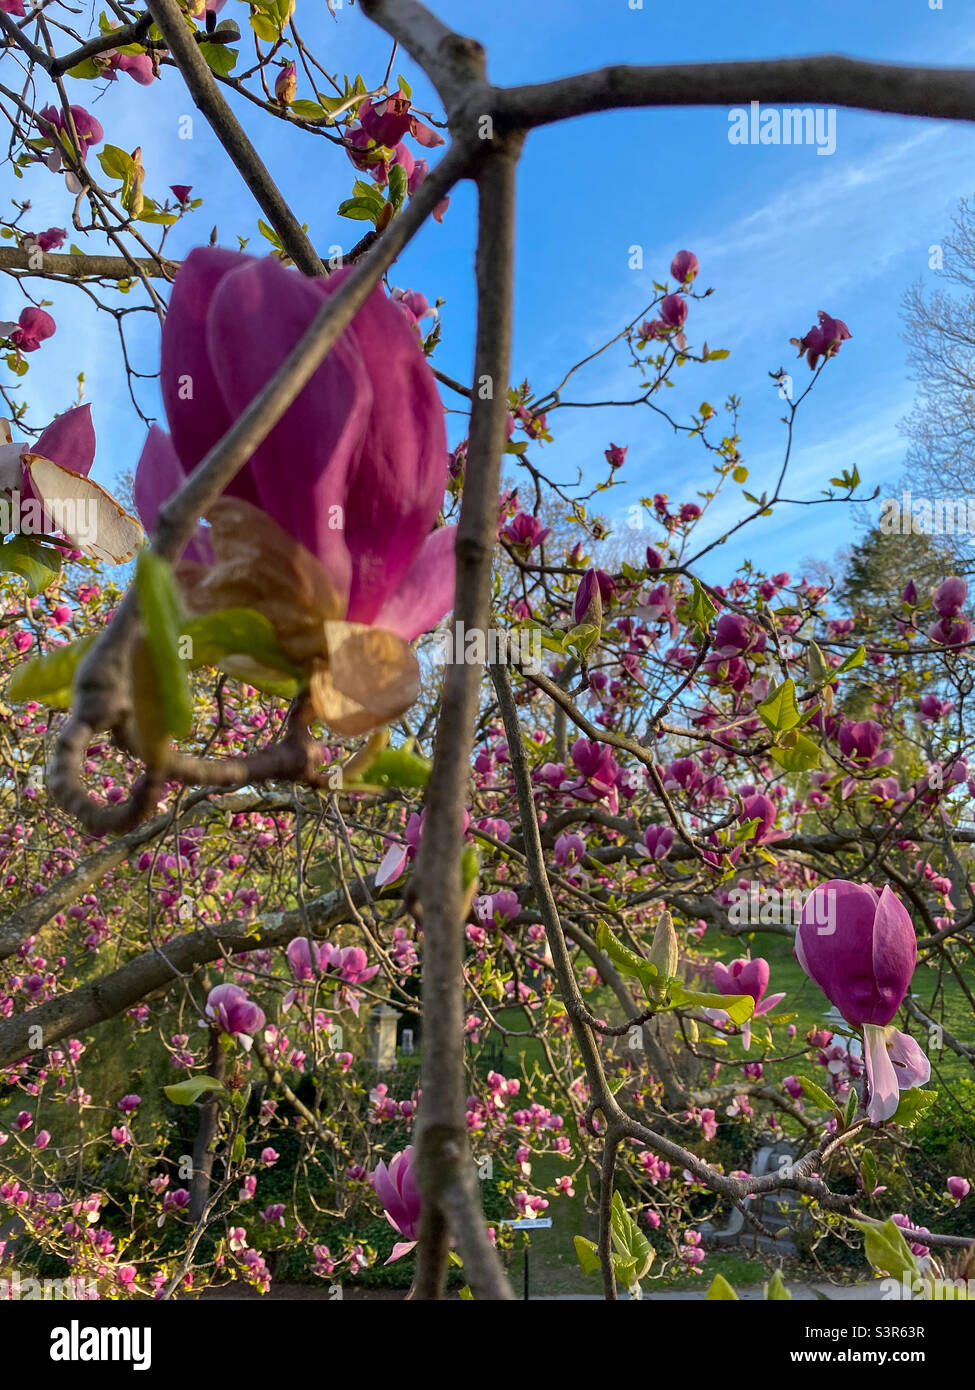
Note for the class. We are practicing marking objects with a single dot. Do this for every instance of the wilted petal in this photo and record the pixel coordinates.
(371, 677)
(85, 513)
(257, 565)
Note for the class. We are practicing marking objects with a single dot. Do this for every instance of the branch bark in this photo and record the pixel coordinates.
(445, 1165)
(822, 80)
(211, 102)
(158, 969)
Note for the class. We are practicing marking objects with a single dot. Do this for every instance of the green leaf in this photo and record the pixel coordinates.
(48, 678)
(116, 163)
(470, 867)
(634, 1252)
(186, 1092)
(395, 767)
(798, 755)
(159, 602)
(219, 58)
(816, 1094)
(626, 960)
(868, 1171)
(912, 1106)
(235, 632)
(359, 210)
(819, 672)
(38, 564)
(308, 110)
(587, 1254)
(886, 1249)
(268, 233)
(855, 659)
(775, 1289)
(700, 608)
(738, 1007)
(85, 70)
(397, 185)
(779, 712)
(404, 86)
(721, 1291)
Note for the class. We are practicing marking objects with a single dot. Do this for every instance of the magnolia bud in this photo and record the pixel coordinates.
(286, 84)
(664, 951)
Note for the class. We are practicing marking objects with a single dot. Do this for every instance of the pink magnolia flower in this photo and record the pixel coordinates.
(948, 598)
(657, 841)
(388, 120)
(569, 850)
(181, 192)
(958, 1188)
(673, 310)
(616, 455)
(397, 1189)
(525, 531)
(684, 267)
(763, 809)
(355, 472)
(951, 632)
(137, 65)
(129, 1103)
(497, 909)
(863, 961)
(744, 976)
(231, 1010)
(823, 340)
(33, 326)
(88, 130)
(51, 239)
(932, 708)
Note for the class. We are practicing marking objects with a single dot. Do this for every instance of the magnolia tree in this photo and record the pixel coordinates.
(378, 718)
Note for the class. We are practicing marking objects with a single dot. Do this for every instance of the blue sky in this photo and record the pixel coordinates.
(781, 232)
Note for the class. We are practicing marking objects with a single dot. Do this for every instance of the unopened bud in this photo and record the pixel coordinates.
(664, 951)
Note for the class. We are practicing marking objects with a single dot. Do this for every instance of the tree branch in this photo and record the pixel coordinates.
(228, 130)
(824, 80)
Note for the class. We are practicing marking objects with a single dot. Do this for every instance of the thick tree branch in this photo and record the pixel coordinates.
(444, 1163)
(68, 267)
(109, 995)
(825, 80)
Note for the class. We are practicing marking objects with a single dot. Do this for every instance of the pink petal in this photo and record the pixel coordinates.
(884, 1091)
(401, 1248)
(426, 592)
(198, 417)
(69, 441)
(912, 1067)
(394, 862)
(302, 472)
(397, 487)
(158, 475)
